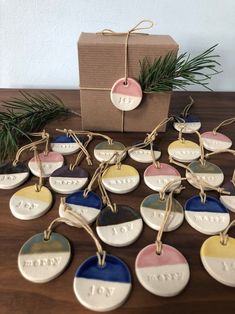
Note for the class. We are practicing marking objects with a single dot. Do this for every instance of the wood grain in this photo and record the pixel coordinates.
(203, 294)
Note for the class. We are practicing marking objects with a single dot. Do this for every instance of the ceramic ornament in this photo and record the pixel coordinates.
(126, 96)
(102, 288)
(144, 155)
(166, 274)
(104, 151)
(219, 259)
(88, 207)
(27, 203)
(65, 145)
(190, 125)
(184, 150)
(157, 178)
(42, 260)
(120, 228)
(13, 176)
(213, 141)
(49, 163)
(66, 181)
(210, 217)
(228, 200)
(120, 180)
(209, 172)
(152, 210)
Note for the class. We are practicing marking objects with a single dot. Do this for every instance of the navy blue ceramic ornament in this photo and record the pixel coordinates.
(65, 145)
(102, 288)
(209, 217)
(88, 207)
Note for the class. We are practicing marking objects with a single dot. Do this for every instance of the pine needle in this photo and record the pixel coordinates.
(24, 115)
(171, 72)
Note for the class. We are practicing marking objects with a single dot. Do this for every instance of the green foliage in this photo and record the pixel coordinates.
(171, 72)
(24, 115)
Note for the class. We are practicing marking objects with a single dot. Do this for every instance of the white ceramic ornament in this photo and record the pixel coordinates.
(120, 228)
(209, 218)
(144, 155)
(102, 288)
(65, 145)
(120, 180)
(104, 151)
(66, 181)
(157, 178)
(27, 203)
(184, 150)
(49, 163)
(152, 210)
(41, 260)
(126, 96)
(165, 274)
(210, 173)
(219, 259)
(88, 207)
(213, 141)
(12, 176)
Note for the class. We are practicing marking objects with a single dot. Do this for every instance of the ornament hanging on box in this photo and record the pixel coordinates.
(186, 121)
(35, 200)
(72, 178)
(161, 269)
(214, 140)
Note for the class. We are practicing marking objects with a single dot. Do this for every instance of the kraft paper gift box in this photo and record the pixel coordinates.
(102, 63)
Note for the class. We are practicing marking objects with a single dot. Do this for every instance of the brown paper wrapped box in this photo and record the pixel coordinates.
(101, 63)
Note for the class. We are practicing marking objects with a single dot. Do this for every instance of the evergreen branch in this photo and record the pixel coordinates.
(24, 115)
(172, 72)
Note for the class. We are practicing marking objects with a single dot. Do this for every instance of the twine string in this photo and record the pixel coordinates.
(38, 186)
(220, 151)
(224, 235)
(224, 123)
(80, 154)
(186, 109)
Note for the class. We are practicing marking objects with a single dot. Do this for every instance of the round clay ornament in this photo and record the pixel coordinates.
(65, 145)
(49, 162)
(190, 125)
(66, 181)
(210, 217)
(228, 200)
(184, 150)
(27, 203)
(152, 210)
(120, 228)
(13, 176)
(209, 172)
(104, 151)
(126, 96)
(219, 259)
(164, 274)
(102, 288)
(42, 260)
(120, 180)
(213, 141)
(88, 207)
(157, 178)
(144, 155)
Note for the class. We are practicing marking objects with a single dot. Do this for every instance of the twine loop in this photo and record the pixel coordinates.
(224, 237)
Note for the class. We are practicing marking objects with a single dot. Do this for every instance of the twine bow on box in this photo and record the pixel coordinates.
(109, 32)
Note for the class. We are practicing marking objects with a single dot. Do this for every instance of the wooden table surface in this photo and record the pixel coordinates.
(202, 295)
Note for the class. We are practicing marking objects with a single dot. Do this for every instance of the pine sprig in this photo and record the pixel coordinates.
(24, 115)
(172, 72)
